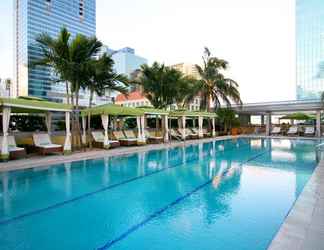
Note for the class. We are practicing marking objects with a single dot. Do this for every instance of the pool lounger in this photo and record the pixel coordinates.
(98, 138)
(124, 141)
(14, 151)
(153, 139)
(276, 131)
(44, 144)
(293, 130)
(309, 131)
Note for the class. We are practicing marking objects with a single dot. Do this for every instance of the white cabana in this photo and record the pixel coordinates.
(29, 105)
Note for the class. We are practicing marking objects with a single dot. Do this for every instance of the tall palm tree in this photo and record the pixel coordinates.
(102, 77)
(215, 87)
(56, 54)
(158, 83)
(72, 61)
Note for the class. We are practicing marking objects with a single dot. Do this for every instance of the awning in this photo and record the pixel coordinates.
(33, 105)
(179, 113)
(113, 109)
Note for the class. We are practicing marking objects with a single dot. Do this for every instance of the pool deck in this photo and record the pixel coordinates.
(303, 228)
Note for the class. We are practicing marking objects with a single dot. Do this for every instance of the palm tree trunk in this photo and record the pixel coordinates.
(77, 120)
(67, 92)
(89, 120)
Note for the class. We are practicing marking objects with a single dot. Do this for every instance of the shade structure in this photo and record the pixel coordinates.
(298, 117)
(112, 109)
(30, 105)
(33, 105)
(178, 113)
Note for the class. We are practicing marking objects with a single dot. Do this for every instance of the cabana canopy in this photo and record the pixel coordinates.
(26, 105)
(182, 115)
(298, 117)
(112, 109)
(33, 105)
(153, 111)
(178, 113)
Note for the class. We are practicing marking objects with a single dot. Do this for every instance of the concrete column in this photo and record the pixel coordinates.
(318, 123)
(268, 124)
(165, 126)
(183, 123)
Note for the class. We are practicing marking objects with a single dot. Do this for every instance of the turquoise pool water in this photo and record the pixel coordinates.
(230, 194)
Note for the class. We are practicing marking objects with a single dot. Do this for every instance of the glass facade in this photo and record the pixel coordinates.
(310, 48)
(33, 17)
(126, 61)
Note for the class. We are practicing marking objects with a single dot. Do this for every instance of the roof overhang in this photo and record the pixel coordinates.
(283, 107)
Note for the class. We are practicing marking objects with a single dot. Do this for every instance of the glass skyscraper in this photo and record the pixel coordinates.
(310, 48)
(33, 17)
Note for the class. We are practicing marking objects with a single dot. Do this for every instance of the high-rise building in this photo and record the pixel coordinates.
(33, 17)
(309, 48)
(187, 69)
(126, 61)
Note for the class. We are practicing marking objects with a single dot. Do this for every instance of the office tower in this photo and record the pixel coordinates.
(309, 48)
(33, 17)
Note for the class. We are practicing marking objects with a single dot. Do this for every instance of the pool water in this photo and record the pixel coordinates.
(229, 194)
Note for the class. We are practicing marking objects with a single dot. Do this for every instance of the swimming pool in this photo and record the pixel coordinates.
(230, 194)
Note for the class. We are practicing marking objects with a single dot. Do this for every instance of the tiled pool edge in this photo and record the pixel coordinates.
(42, 161)
(303, 228)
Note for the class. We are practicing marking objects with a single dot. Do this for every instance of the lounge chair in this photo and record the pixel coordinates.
(44, 144)
(187, 133)
(14, 151)
(309, 131)
(206, 133)
(192, 134)
(175, 134)
(98, 138)
(293, 130)
(153, 139)
(276, 131)
(124, 141)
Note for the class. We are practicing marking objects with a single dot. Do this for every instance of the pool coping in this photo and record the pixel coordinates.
(48, 161)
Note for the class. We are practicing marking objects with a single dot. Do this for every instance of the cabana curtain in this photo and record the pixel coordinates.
(84, 133)
(5, 125)
(67, 143)
(200, 127)
(105, 122)
(48, 121)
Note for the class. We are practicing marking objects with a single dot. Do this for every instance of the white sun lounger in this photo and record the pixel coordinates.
(44, 144)
(99, 139)
(276, 131)
(152, 139)
(14, 151)
(124, 141)
(293, 130)
(309, 131)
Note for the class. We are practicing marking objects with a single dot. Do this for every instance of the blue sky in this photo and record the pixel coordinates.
(255, 36)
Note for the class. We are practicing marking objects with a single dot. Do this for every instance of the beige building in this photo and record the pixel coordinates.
(187, 69)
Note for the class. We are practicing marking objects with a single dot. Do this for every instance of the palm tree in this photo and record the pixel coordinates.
(215, 87)
(56, 54)
(187, 89)
(102, 77)
(158, 83)
(72, 61)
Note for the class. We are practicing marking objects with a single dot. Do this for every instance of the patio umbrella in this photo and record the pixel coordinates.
(298, 117)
